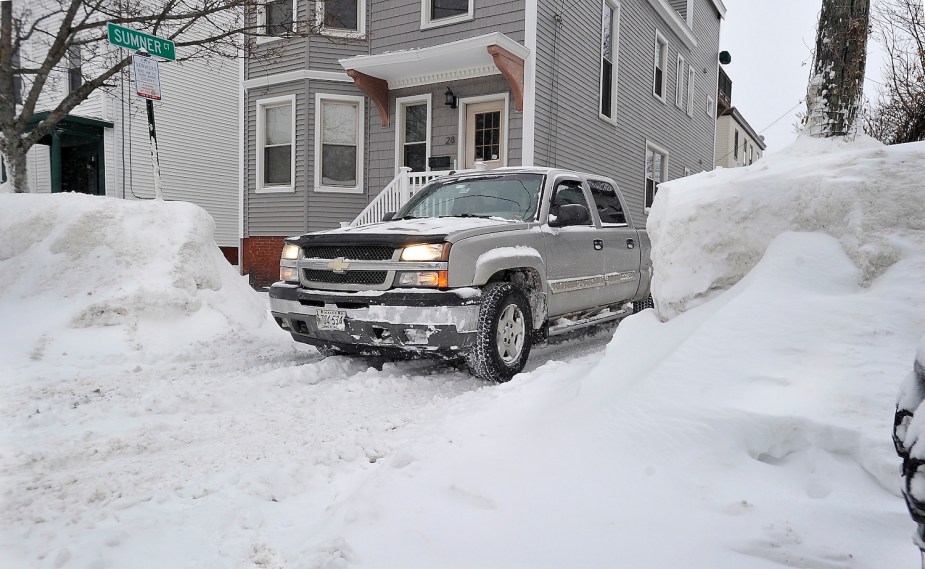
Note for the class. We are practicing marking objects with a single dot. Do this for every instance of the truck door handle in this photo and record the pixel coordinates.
(630, 244)
(598, 244)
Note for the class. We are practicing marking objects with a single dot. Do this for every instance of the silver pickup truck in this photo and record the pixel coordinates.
(476, 265)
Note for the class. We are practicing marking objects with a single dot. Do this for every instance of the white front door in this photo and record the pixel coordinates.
(486, 134)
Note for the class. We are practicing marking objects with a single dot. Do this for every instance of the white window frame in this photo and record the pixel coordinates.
(660, 40)
(428, 22)
(664, 152)
(359, 33)
(735, 145)
(262, 105)
(615, 53)
(680, 69)
(691, 83)
(400, 104)
(711, 107)
(262, 23)
(320, 99)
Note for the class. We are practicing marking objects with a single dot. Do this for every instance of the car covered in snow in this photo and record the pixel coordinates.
(909, 439)
(478, 265)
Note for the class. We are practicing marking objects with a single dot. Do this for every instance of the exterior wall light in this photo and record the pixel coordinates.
(452, 100)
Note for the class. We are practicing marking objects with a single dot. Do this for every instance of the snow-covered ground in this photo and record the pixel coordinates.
(153, 417)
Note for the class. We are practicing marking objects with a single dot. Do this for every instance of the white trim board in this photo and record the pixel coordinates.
(288, 77)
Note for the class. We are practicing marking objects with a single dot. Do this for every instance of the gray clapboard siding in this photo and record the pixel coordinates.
(569, 131)
(397, 24)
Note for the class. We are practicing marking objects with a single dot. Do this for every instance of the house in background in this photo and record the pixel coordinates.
(102, 147)
(622, 88)
(737, 143)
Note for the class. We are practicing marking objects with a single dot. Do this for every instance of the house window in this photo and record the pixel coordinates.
(680, 71)
(275, 136)
(661, 60)
(413, 132)
(279, 17)
(442, 12)
(690, 91)
(735, 146)
(74, 72)
(609, 208)
(338, 143)
(656, 164)
(610, 28)
(711, 107)
(342, 17)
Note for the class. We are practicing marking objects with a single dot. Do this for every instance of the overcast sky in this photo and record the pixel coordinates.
(771, 45)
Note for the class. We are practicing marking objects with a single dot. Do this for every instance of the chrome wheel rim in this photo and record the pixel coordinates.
(511, 334)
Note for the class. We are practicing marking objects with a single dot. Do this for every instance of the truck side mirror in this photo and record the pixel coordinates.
(387, 216)
(571, 214)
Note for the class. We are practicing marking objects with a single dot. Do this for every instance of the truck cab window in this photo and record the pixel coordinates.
(608, 204)
(567, 192)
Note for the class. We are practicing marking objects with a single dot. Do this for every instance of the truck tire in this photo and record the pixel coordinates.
(640, 305)
(504, 335)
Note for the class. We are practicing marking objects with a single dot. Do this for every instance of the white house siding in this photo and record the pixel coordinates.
(569, 130)
(197, 134)
(726, 127)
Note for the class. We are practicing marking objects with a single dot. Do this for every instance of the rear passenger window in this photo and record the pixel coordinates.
(607, 202)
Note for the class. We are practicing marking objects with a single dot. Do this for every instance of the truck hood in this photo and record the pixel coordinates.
(406, 231)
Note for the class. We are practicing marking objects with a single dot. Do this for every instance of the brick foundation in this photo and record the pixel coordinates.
(231, 254)
(260, 259)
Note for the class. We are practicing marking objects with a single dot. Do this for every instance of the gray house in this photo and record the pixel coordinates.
(394, 92)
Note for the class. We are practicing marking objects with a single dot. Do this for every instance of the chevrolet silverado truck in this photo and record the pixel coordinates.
(476, 266)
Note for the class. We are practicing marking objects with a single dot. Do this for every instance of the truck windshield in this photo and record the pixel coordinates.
(509, 196)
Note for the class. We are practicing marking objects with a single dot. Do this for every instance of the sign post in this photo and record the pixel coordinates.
(147, 79)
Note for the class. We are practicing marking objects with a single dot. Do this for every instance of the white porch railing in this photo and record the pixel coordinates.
(397, 193)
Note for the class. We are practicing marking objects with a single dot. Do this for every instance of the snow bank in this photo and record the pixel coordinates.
(84, 274)
(710, 230)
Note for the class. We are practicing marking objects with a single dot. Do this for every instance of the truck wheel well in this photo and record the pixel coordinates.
(528, 280)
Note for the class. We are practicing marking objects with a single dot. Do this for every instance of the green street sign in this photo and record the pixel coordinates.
(125, 37)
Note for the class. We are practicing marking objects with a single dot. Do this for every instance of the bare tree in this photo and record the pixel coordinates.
(836, 84)
(37, 38)
(899, 114)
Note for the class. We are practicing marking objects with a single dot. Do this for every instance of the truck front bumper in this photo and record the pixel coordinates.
(417, 320)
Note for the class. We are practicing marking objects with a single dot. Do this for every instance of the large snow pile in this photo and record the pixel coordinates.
(752, 431)
(868, 196)
(83, 276)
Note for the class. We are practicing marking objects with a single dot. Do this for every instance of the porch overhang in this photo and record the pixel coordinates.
(480, 56)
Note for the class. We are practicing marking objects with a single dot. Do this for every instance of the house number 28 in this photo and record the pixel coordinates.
(451, 140)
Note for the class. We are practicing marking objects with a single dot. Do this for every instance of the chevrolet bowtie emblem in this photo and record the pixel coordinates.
(338, 265)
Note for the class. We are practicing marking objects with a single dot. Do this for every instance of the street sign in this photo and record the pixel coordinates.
(147, 77)
(131, 39)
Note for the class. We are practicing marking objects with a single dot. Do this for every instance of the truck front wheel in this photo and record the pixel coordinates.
(504, 335)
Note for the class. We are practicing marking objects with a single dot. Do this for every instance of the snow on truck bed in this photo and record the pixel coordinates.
(153, 417)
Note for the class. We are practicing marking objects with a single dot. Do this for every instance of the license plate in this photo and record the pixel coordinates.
(331, 319)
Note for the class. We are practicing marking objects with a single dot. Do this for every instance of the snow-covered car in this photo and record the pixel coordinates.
(909, 439)
(476, 265)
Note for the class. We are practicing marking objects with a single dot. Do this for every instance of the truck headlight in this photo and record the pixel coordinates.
(428, 252)
(291, 251)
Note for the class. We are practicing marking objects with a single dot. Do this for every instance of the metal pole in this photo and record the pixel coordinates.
(154, 159)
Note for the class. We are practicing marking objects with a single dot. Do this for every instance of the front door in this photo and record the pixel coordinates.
(80, 169)
(486, 133)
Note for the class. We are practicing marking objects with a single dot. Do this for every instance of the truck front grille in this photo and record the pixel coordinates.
(352, 252)
(348, 278)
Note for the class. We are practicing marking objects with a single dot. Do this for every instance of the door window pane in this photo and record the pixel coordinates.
(414, 144)
(567, 192)
(488, 136)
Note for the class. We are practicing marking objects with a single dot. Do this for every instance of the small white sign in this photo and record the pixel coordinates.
(147, 77)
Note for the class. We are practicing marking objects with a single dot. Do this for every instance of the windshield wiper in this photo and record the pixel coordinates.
(467, 215)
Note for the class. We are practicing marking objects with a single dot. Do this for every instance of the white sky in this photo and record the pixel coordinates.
(771, 45)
